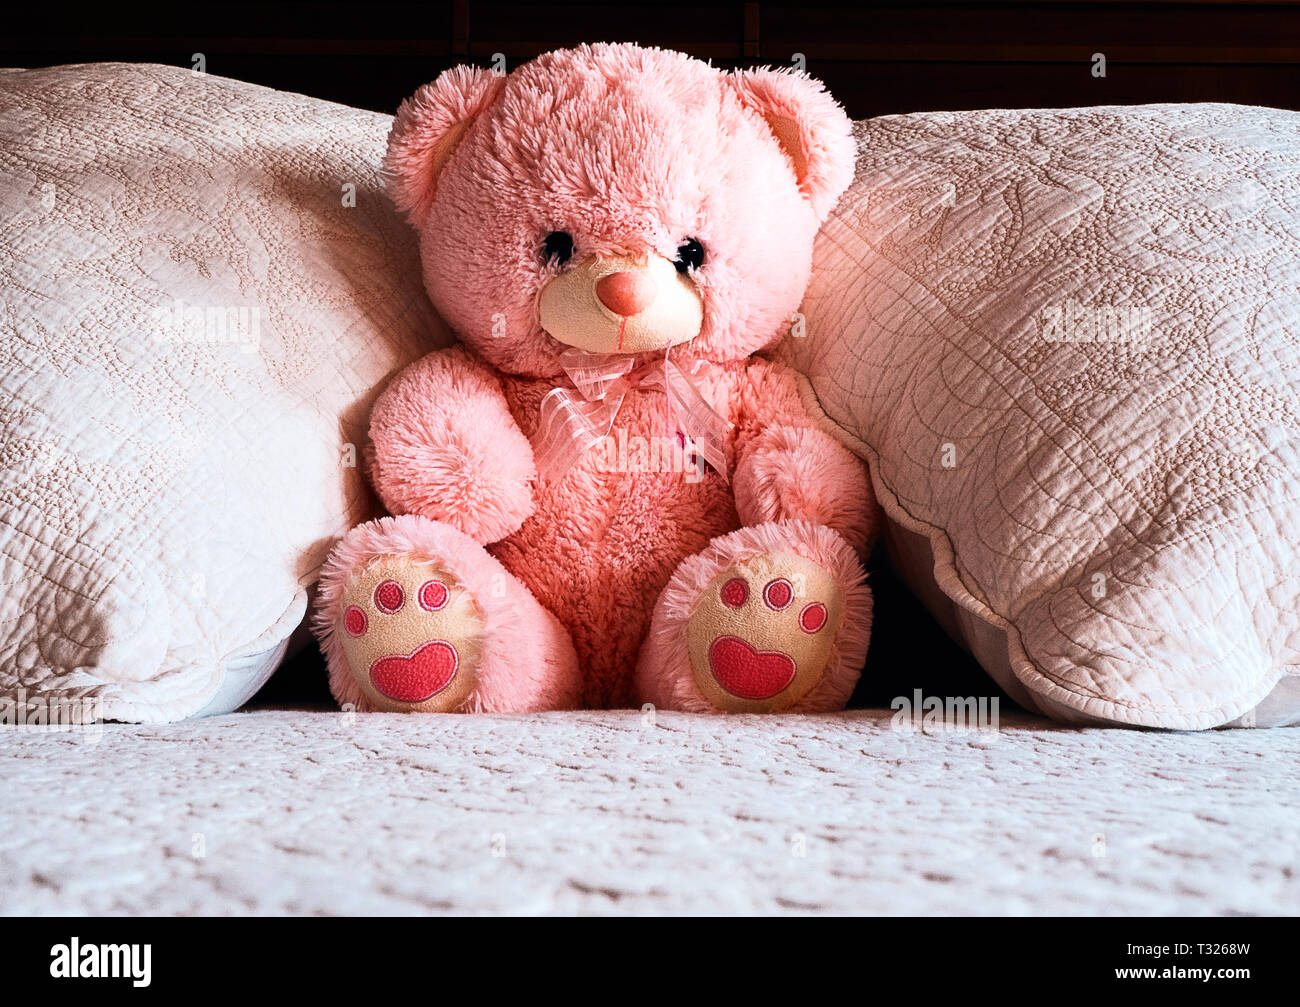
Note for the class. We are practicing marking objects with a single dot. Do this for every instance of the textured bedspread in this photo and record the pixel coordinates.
(287, 811)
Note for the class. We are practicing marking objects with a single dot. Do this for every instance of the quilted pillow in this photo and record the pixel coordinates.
(201, 286)
(1068, 343)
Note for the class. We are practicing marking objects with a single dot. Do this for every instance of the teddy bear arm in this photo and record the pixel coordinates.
(445, 446)
(788, 468)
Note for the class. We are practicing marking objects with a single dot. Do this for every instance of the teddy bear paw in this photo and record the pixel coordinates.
(761, 633)
(411, 634)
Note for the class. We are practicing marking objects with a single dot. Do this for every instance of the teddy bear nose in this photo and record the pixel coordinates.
(625, 293)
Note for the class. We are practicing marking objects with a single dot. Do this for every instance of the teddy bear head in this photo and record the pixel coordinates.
(617, 199)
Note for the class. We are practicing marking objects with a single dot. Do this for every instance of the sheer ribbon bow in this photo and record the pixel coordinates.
(572, 422)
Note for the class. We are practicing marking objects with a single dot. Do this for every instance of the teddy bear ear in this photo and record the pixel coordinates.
(810, 126)
(428, 126)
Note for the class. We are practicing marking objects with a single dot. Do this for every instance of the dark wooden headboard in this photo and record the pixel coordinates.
(877, 58)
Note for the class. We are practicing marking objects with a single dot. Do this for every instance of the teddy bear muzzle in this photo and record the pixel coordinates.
(609, 304)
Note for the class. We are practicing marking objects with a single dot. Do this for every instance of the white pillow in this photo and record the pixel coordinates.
(1068, 342)
(170, 482)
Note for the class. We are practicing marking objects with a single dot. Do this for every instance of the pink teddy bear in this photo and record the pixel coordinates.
(603, 498)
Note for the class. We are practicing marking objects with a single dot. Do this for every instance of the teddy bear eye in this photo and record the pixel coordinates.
(690, 255)
(558, 246)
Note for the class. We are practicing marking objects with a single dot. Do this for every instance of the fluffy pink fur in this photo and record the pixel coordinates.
(664, 675)
(631, 151)
(822, 157)
(425, 459)
(527, 662)
(628, 149)
(426, 126)
(800, 472)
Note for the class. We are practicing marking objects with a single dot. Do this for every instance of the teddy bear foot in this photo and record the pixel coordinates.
(412, 634)
(417, 618)
(769, 618)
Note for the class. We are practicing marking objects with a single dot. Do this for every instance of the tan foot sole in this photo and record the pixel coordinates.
(412, 635)
(761, 633)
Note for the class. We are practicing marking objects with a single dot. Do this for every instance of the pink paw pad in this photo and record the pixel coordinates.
(747, 672)
(389, 597)
(735, 592)
(433, 595)
(813, 617)
(418, 676)
(355, 621)
(778, 594)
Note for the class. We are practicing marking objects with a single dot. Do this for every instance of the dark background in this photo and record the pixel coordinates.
(876, 59)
